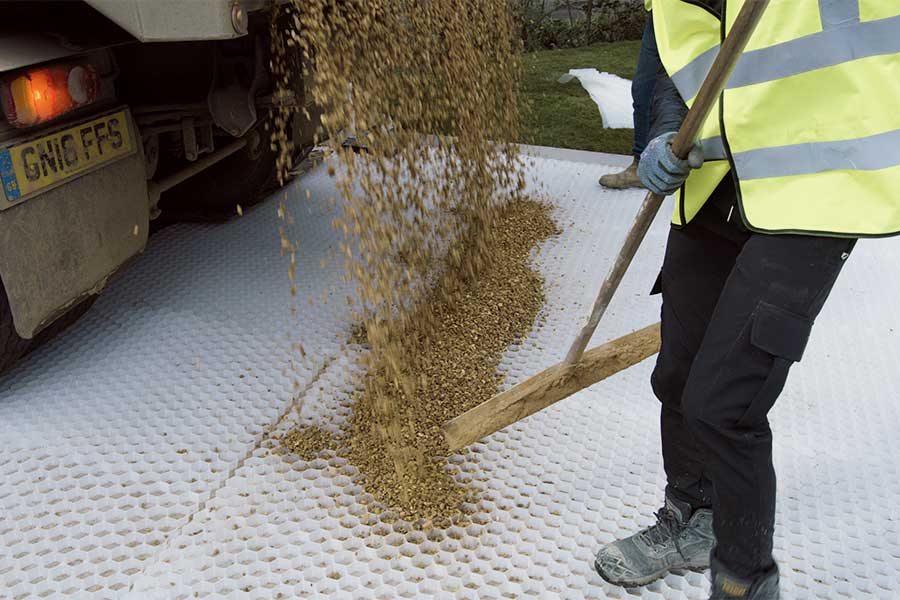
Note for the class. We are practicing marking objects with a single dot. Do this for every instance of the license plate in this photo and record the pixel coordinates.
(31, 167)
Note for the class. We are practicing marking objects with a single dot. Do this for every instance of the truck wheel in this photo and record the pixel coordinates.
(13, 347)
(214, 194)
(62, 323)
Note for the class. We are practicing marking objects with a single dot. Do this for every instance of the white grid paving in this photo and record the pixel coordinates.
(136, 458)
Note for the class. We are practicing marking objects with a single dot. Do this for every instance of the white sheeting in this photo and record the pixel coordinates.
(611, 93)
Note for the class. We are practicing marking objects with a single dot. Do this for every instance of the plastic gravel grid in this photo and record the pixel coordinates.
(136, 452)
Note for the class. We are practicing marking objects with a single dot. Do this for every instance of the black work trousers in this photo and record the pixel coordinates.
(738, 308)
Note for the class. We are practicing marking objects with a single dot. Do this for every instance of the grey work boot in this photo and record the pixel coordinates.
(623, 179)
(726, 586)
(679, 540)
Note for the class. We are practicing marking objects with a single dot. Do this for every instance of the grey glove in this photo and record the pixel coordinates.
(661, 171)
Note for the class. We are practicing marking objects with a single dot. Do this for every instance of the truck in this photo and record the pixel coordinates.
(119, 115)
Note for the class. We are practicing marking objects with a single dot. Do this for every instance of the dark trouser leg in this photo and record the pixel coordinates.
(695, 268)
(642, 88)
(758, 329)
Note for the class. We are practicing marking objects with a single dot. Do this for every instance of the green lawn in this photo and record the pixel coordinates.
(563, 115)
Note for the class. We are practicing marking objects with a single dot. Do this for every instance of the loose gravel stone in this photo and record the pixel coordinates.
(437, 229)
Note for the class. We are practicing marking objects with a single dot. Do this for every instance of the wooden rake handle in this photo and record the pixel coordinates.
(718, 75)
(549, 387)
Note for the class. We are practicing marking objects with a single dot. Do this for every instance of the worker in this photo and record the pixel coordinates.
(800, 157)
(641, 95)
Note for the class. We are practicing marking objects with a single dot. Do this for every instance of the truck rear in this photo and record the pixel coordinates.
(118, 113)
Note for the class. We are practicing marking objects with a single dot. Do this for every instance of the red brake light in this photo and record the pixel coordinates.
(38, 95)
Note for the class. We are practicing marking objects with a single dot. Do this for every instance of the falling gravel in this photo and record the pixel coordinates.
(438, 230)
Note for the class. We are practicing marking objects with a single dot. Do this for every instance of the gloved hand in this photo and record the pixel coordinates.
(660, 170)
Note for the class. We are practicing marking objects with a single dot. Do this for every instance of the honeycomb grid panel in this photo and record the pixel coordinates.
(483, 559)
(233, 517)
(561, 483)
(115, 434)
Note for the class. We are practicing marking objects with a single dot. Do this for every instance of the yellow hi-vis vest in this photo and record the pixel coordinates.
(808, 123)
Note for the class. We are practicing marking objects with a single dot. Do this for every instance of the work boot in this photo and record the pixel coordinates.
(679, 540)
(726, 586)
(623, 179)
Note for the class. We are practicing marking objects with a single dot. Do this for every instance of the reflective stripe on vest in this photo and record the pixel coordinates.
(872, 153)
(816, 51)
(713, 148)
(838, 13)
(807, 121)
(817, 149)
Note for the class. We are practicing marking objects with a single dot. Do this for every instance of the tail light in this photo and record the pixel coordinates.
(38, 95)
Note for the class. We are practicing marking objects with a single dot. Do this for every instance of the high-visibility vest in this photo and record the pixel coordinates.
(808, 123)
(647, 4)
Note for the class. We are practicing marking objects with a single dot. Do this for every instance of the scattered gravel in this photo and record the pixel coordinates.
(438, 231)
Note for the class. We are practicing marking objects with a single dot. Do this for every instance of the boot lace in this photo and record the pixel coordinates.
(667, 527)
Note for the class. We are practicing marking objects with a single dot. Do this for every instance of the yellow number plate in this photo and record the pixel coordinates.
(33, 166)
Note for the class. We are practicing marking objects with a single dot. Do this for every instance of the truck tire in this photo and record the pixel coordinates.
(13, 347)
(214, 194)
(66, 320)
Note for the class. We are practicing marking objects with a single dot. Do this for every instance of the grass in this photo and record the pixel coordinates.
(563, 115)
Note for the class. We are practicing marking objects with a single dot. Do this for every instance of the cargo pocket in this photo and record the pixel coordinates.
(783, 335)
